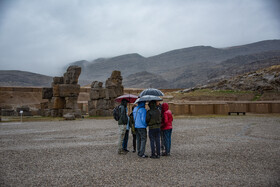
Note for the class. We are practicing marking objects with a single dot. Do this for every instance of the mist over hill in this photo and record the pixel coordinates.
(185, 67)
(180, 68)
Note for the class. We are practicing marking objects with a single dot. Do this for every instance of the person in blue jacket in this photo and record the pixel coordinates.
(139, 114)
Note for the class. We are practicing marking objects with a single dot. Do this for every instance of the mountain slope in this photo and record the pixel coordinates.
(181, 68)
(172, 61)
(267, 79)
(145, 79)
(201, 73)
(23, 78)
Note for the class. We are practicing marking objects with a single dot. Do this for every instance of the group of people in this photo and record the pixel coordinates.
(159, 120)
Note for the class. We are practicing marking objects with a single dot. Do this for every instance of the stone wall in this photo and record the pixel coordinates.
(101, 101)
(257, 107)
(63, 96)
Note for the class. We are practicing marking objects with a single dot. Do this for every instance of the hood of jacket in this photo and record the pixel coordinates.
(141, 104)
(139, 114)
(165, 107)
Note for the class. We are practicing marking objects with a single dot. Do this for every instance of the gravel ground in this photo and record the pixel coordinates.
(206, 151)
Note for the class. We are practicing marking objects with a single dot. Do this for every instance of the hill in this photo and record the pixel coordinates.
(180, 68)
(262, 80)
(23, 78)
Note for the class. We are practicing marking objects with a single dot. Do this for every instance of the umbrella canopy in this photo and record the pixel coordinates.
(151, 91)
(129, 97)
(148, 98)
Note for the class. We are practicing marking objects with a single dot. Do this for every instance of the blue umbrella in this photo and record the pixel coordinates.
(151, 91)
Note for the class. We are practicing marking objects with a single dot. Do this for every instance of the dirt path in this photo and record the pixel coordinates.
(220, 151)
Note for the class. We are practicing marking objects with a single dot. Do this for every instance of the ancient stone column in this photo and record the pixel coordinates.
(63, 96)
(102, 100)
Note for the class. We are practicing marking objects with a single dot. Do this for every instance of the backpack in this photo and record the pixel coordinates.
(117, 113)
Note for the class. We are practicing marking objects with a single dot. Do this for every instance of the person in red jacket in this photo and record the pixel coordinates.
(166, 128)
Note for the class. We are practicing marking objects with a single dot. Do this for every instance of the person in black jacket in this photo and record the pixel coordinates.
(122, 125)
(153, 119)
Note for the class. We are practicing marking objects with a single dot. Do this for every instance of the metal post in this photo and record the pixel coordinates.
(21, 116)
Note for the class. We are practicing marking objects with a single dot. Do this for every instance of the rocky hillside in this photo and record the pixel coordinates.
(23, 78)
(145, 79)
(263, 80)
(181, 68)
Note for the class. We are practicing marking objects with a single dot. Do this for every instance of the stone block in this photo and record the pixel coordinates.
(71, 102)
(69, 90)
(201, 109)
(116, 74)
(8, 112)
(56, 112)
(96, 84)
(102, 94)
(55, 90)
(110, 84)
(50, 104)
(261, 108)
(179, 109)
(48, 113)
(44, 105)
(72, 75)
(275, 107)
(58, 102)
(57, 80)
(119, 90)
(100, 104)
(110, 93)
(222, 109)
(107, 104)
(106, 112)
(94, 94)
(95, 112)
(47, 93)
(238, 107)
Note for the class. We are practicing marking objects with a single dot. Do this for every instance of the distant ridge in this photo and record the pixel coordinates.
(180, 68)
(185, 62)
(24, 78)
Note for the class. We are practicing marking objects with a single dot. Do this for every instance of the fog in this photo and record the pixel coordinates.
(42, 36)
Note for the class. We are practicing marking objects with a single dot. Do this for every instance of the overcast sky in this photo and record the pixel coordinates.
(42, 36)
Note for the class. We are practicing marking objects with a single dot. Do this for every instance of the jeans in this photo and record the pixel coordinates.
(122, 129)
(125, 140)
(134, 141)
(141, 136)
(167, 140)
(154, 135)
(162, 141)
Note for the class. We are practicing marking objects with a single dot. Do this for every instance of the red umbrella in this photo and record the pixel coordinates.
(129, 97)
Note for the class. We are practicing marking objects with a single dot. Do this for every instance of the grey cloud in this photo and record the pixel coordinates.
(43, 36)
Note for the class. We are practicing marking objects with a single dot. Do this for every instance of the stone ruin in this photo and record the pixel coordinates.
(102, 100)
(63, 95)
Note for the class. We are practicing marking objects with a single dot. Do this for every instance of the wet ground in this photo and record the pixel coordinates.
(216, 151)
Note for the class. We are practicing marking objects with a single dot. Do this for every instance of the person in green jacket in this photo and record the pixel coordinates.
(122, 125)
(153, 119)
